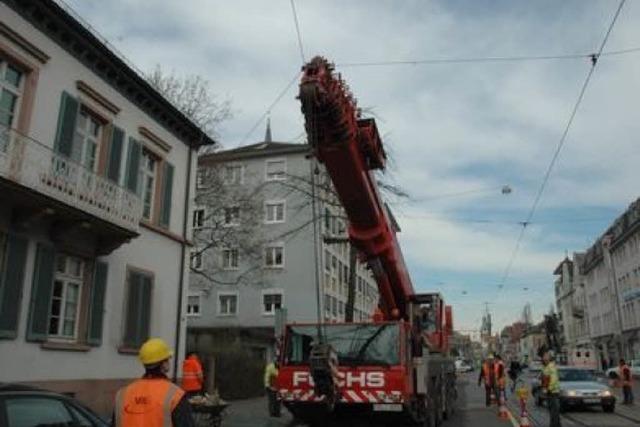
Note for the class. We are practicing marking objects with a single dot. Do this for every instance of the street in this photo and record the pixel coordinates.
(471, 412)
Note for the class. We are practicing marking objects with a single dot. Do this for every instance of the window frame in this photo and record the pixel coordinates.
(202, 221)
(196, 254)
(67, 279)
(271, 291)
(279, 245)
(17, 92)
(236, 180)
(143, 174)
(194, 295)
(219, 303)
(91, 117)
(275, 203)
(268, 177)
(231, 209)
(223, 256)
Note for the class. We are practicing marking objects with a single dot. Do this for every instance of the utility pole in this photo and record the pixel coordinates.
(351, 284)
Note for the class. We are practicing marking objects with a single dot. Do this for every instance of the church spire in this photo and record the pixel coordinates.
(267, 135)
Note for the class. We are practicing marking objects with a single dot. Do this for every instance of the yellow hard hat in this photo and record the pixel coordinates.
(154, 350)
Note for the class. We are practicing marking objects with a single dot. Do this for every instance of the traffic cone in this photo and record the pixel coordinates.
(524, 419)
(502, 412)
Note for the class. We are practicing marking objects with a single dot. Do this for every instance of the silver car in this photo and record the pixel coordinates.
(580, 387)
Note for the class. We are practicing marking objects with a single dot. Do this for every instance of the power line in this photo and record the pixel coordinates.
(273, 104)
(563, 138)
(480, 59)
(295, 20)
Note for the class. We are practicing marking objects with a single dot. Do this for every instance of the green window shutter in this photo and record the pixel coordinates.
(134, 284)
(145, 309)
(133, 165)
(66, 125)
(115, 155)
(167, 189)
(96, 307)
(41, 294)
(11, 285)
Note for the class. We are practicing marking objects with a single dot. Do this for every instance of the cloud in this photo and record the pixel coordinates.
(453, 127)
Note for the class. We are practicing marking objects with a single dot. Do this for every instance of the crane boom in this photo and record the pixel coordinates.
(351, 150)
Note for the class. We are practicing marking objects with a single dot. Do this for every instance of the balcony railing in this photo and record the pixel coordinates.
(36, 166)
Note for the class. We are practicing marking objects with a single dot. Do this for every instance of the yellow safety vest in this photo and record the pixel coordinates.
(270, 374)
(552, 372)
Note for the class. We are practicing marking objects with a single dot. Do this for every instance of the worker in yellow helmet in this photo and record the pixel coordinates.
(153, 400)
(551, 386)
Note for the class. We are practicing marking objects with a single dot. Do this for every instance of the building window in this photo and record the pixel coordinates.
(232, 216)
(274, 212)
(88, 135)
(233, 174)
(198, 218)
(200, 178)
(193, 305)
(230, 259)
(10, 93)
(276, 170)
(271, 301)
(148, 168)
(274, 256)
(196, 260)
(138, 308)
(228, 304)
(65, 299)
(327, 260)
(327, 303)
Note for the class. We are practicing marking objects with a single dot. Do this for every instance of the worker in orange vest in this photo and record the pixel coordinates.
(192, 375)
(626, 376)
(153, 400)
(488, 374)
(501, 379)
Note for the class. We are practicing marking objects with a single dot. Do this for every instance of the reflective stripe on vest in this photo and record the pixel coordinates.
(621, 374)
(147, 402)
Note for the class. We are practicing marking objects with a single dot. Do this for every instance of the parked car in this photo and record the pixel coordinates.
(24, 406)
(463, 366)
(634, 365)
(580, 387)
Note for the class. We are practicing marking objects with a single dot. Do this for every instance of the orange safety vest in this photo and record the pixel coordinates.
(147, 402)
(498, 368)
(486, 371)
(621, 375)
(192, 374)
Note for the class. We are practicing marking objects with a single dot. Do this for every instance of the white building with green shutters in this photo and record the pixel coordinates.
(96, 173)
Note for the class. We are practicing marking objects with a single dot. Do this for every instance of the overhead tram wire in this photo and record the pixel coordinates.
(268, 110)
(594, 61)
(488, 59)
(295, 20)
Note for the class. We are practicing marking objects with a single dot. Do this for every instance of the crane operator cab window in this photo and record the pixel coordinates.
(427, 318)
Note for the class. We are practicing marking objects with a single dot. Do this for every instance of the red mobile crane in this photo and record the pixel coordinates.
(396, 366)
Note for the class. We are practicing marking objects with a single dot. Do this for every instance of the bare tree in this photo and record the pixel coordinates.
(194, 97)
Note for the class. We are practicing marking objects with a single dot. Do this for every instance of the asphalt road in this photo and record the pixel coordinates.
(471, 412)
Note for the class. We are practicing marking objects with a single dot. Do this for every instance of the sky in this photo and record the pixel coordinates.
(457, 132)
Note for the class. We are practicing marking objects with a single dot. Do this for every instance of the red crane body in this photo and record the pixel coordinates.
(398, 366)
(351, 149)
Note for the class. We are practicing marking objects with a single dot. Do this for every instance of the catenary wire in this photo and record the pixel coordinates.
(563, 138)
(295, 20)
(268, 110)
(462, 60)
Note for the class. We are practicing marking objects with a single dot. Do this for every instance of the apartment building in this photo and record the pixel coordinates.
(571, 307)
(96, 170)
(611, 271)
(238, 285)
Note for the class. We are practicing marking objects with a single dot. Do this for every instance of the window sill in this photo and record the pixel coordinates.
(227, 315)
(274, 267)
(128, 350)
(153, 227)
(62, 346)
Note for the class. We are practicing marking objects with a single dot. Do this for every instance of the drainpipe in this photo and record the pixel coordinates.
(185, 224)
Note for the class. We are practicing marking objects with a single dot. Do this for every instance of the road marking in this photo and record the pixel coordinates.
(512, 418)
